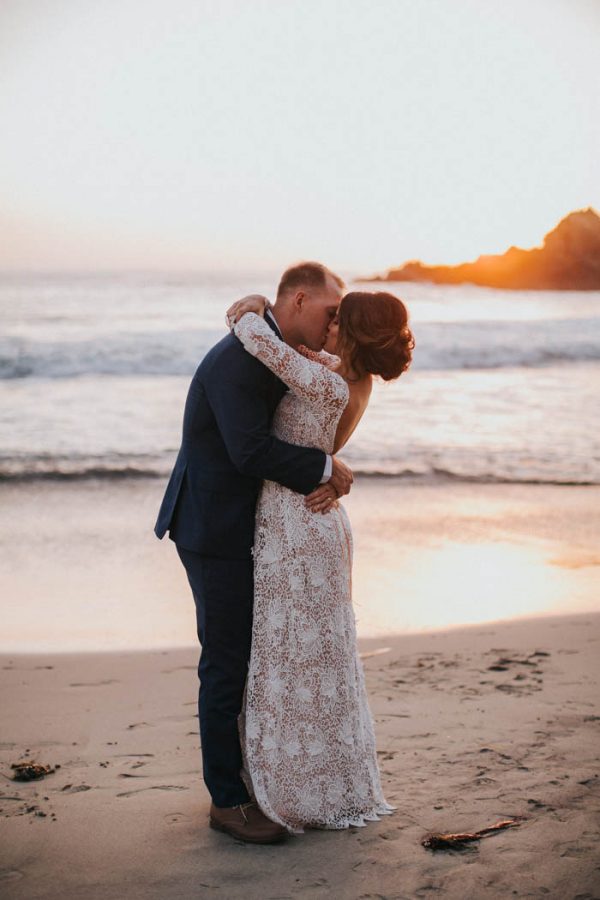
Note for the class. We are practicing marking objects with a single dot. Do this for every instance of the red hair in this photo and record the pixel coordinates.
(374, 335)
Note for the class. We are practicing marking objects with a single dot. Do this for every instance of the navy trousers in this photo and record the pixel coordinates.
(223, 592)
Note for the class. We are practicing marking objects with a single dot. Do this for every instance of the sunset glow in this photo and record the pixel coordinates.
(242, 135)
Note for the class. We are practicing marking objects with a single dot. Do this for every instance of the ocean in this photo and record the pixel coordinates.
(94, 372)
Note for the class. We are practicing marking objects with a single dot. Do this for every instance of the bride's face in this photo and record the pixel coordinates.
(332, 336)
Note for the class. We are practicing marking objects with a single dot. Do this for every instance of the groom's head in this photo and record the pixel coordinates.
(307, 300)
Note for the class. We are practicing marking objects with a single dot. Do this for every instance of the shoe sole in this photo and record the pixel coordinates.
(277, 839)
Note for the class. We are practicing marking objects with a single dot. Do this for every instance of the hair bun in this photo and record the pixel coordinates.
(374, 332)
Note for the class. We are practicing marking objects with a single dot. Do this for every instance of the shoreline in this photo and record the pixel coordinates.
(369, 645)
(425, 557)
(409, 477)
(474, 724)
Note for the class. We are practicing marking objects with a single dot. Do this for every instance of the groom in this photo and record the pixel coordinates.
(226, 452)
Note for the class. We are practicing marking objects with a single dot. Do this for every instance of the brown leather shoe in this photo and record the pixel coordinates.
(246, 823)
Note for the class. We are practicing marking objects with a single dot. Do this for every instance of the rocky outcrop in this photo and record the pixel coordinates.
(569, 259)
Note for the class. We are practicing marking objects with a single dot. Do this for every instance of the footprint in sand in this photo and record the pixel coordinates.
(518, 690)
(531, 660)
(577, 852)
(591, 780)
(93, 683)
(176, 817)
(11, 874)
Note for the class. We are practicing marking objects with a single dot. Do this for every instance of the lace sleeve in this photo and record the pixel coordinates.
(326, 359)
(310, 380)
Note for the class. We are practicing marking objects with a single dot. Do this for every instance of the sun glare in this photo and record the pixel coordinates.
(456, 584)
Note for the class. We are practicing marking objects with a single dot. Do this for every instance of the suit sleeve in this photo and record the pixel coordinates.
(239, 402)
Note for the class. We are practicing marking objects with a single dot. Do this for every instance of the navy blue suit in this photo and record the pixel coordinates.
(208, 508)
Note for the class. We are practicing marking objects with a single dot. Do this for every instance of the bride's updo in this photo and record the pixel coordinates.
(374, 335)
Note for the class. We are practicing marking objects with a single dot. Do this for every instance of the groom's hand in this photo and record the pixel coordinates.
(323, 498)
(341, 477)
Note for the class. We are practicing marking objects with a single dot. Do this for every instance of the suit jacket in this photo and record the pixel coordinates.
(226, 452)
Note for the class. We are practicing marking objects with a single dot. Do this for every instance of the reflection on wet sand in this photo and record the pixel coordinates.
(82, 570)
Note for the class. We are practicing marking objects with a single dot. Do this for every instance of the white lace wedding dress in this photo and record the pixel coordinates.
(306, 728)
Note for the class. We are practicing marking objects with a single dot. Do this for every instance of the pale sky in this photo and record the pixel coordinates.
(247, 134)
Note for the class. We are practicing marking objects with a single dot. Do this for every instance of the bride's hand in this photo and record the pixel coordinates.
(255, 303)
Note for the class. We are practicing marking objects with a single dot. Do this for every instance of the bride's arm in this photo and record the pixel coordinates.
(310, 380)
(326, 359)
(259, 304)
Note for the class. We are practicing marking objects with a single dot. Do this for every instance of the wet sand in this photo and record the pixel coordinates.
(80, 567)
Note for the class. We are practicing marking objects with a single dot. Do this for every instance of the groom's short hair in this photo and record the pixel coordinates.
(306, 274)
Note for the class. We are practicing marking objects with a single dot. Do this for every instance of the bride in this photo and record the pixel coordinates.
(306, 729)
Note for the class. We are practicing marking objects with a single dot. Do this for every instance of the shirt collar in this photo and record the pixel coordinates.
(269, 315)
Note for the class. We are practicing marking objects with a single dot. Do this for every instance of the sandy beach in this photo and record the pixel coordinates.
(475, 725)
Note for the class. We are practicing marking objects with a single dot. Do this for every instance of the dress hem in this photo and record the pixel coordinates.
(385, 809)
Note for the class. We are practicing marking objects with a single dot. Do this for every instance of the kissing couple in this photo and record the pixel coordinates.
(253, 507)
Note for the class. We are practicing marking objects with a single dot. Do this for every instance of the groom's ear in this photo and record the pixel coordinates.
(299, 300)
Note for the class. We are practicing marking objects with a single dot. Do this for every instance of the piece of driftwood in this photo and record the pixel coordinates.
(438, 841)
(30, 771)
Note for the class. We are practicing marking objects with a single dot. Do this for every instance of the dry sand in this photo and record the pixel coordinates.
(461, 746)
